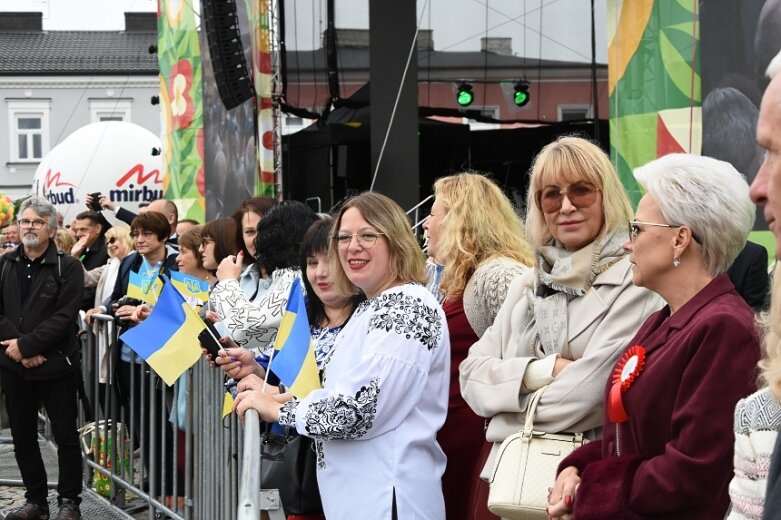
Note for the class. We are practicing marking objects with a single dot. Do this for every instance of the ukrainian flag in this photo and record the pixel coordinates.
(190, 286)
(168, 338)
(145, 285)
(294, 362)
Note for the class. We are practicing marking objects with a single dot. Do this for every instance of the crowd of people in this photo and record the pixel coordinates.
(634, 329)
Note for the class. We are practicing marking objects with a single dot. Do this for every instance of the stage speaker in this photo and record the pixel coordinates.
(227, 56)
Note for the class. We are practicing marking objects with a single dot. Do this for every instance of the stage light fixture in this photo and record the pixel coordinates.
(156, 151)
(464, 95)
(155, 100)
(521, 94)
(152, 49)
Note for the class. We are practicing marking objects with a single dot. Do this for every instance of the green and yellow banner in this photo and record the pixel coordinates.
(181, 100)
(654, 82)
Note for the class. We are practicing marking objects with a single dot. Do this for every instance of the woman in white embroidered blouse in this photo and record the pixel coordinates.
(254, 323)
(385, 386)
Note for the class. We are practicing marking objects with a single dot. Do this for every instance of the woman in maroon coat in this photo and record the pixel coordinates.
(667, 443)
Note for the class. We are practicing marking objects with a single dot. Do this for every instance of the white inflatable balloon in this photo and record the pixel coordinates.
(111, 157)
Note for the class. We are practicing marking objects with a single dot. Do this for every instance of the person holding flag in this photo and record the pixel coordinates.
(150, 231)
(385, 382)
(327, 308)
(326, 312)
(253, 321)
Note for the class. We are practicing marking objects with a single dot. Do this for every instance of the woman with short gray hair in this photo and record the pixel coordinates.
(706, 195)
(667, 444)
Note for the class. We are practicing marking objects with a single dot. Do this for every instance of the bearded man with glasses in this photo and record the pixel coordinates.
(40, 293)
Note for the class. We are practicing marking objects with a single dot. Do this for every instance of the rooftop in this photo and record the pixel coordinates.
(27, 50)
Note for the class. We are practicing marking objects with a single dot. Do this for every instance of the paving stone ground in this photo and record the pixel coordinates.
(93, 506)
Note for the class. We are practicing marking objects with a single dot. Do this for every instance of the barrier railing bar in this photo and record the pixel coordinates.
(249, 492)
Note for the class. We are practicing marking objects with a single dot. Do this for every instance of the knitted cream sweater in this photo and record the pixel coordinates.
(486, 290)
(757, 420)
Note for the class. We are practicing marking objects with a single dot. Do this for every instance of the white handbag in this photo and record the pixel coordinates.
(525, 467)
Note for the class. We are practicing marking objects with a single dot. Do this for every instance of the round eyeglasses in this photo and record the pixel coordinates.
(366, 239)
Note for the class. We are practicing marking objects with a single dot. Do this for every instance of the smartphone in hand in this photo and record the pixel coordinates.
(95, 206)
(209, 339)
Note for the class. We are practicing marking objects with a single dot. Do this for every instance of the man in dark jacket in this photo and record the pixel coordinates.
(90, 248)
(40, 293)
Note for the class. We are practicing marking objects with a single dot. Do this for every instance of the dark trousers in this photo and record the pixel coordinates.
(59, 398)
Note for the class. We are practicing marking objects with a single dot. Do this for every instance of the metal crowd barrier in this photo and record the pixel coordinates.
(135, 449)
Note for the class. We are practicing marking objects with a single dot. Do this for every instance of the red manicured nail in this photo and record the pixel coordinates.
(568, 501)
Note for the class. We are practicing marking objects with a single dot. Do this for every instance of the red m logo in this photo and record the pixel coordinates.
(50, 179)
(141, 177)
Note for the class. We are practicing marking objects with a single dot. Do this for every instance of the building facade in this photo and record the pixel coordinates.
(54, 82)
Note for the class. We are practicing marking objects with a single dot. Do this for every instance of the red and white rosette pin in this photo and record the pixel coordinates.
(627, 369)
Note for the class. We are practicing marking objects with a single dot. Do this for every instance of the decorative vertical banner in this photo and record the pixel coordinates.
(181, 100)
(654, 82)
(260, 18)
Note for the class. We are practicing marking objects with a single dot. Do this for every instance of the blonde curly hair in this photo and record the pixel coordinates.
(480, 223)
(770, 325)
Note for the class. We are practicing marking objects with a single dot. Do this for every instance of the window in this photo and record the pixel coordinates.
(28, 129)
(574, 112)
(109, 110)
(490, 111)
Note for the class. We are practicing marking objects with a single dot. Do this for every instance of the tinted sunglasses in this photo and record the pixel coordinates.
(111, 241)
(580, 195)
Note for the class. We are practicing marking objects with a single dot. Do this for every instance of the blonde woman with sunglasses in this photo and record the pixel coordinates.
(563, 323)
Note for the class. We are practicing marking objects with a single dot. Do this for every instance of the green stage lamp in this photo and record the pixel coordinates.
(465, 96)
(521, 95)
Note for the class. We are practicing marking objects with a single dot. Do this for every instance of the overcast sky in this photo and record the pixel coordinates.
(458, 25)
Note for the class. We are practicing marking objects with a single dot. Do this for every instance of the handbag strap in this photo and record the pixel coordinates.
(528, 427)
(530, 411)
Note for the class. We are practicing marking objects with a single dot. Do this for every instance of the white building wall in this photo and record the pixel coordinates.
(73, 102)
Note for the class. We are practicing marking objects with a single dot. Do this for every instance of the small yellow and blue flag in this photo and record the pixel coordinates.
(168, 338)
(145, 284)
(227, 404)
(294, 363)
(190, 286)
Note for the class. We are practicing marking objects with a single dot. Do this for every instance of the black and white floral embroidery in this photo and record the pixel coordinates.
(287, 414)
(343, 417)
(407, 316)
(319, 452)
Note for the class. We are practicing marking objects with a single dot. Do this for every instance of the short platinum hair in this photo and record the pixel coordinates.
(707, 195)
(44, 209)
(774, 67)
